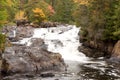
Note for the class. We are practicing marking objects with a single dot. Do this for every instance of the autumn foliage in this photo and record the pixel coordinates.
(20, 15)
(50, 8)
(38, 15)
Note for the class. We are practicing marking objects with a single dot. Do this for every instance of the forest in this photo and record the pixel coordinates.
(93, 16)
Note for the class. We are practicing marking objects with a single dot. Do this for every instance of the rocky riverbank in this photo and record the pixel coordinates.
(99, 48)
(37, 57)
(21, 58)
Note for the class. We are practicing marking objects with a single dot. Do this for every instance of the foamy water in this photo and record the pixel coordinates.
(65, 40)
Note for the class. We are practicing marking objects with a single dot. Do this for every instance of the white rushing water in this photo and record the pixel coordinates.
(65, 40)
(61, 39)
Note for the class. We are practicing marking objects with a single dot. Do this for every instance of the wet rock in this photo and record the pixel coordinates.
(57, 43)
(48, 24)
(34, 58)
(98, 48)
(15, 33)
(116, 50)
(9, 30)
(45, 24)
(95, 43)
(114, 60)
(22, 22)
(116, 53)
(0, 64)
(47, 74)
(24, 32)
(91, 52)
(37, 42)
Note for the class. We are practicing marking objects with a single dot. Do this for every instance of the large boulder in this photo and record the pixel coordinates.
(33, 58)
(116, 50)
(91, 52)
(96, 49)
(15, 33)
(116, 53)
(23, 32)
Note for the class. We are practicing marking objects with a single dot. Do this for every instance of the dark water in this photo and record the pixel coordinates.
(95, 71)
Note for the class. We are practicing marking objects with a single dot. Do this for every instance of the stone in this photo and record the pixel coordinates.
(116, 50)
(47, 74)
(48, 24)
(22, 22)
(33, 58)
(15, 33)
(37, 42)
(24, 32)
(91, 52)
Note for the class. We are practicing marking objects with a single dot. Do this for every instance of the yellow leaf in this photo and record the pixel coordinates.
(20, 15)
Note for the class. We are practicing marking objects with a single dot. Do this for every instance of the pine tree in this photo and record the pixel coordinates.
(116, 21)
(63, 11)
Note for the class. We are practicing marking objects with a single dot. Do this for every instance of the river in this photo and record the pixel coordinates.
(64, 39)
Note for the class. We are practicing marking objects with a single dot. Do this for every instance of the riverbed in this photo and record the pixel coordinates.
(64, 39)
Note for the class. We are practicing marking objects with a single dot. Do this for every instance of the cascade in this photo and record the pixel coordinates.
(65, 40)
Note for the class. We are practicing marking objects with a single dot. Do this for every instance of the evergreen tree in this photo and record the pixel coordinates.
(63, 9)
(111, 31)
(99, 20)
(116, 21)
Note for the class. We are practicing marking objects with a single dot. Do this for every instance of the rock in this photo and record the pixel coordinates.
(91, 52)
(15, 33)
(47, 74)
(45, 24)
(37, 42)
(48, 24)
(96, 42)
(22, 22)
(116, 51)
(24, 32)
(96, 48)
(33, 58)
(57, 43)
(0, 64)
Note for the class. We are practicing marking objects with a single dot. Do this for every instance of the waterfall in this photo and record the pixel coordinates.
(63, 40)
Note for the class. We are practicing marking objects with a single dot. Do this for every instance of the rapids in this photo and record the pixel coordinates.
(65, 40)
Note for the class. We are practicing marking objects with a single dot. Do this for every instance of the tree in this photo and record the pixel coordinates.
(41, 4)
(111, 31)
(99, 20)
(80, 15)
(3, 12)
(63, 11)
(116, 21)
(3, 20)
(38, 15)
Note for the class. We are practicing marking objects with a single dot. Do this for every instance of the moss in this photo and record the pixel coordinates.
(2, 42)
